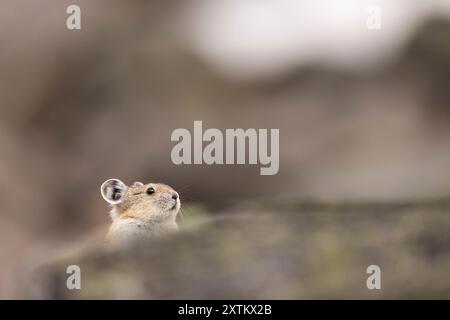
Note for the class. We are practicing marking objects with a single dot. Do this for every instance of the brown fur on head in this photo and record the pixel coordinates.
(152, 201)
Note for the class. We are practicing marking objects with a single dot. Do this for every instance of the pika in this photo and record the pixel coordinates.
(140, 211)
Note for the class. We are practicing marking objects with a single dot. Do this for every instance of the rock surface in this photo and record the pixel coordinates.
(288, 254)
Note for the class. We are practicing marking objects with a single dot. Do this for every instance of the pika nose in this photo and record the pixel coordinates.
(174, 196)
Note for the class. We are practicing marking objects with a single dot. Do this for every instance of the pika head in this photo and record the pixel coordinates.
(154, 202)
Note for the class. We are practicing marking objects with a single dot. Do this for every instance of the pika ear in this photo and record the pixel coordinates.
(138, 184)
(113, 191)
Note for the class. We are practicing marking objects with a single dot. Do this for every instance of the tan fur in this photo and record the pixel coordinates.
(139, 215)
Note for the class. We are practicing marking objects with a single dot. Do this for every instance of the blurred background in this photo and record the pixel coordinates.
(364, 115)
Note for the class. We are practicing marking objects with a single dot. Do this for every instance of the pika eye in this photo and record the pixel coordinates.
(150, 190)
